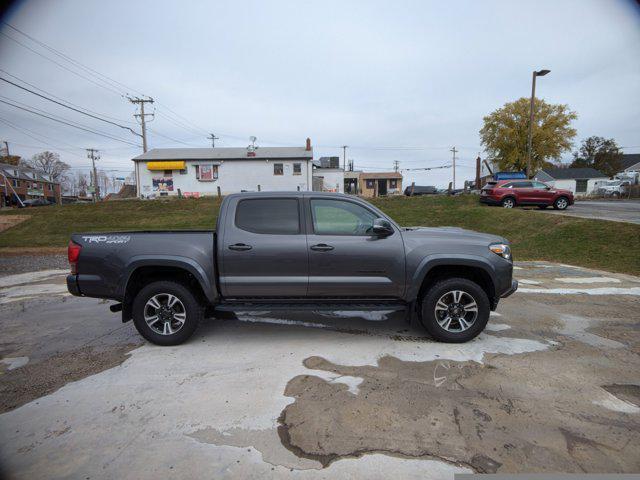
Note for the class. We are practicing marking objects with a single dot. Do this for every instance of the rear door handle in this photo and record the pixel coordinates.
(321, 247)
(240, 247)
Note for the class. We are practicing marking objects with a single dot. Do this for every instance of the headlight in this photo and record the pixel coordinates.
(501, 249)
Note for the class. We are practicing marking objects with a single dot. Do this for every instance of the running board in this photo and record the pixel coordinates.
(310, 306)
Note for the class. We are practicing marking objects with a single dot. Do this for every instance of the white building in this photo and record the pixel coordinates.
(209, 171)
(580, 181)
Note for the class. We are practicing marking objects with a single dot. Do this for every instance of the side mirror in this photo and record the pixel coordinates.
(547, 188)
(382, 227)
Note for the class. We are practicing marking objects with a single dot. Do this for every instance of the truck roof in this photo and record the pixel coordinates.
(287, 194)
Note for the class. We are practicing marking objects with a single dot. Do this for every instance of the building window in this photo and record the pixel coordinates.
(278, 169)
(206, 173)
(393, 183)
(168, 173)
(297, 169)
(371, 184)
(14, 182)
(581, 186)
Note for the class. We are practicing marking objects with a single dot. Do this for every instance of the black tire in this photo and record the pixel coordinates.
(561, 203)
(190, 307)
(428, 314)
(508, 202)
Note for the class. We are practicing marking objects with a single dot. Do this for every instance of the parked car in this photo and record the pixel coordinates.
(420, 190)
(36, 202)
(513, 193)
(614, 188)
(292, 251)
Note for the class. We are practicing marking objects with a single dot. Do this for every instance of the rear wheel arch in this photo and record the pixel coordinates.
(144, 275)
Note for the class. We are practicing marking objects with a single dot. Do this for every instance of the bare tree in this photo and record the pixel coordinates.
(49, 163)
(81, 184)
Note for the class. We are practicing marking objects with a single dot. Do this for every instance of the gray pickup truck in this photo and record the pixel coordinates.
(294, 251)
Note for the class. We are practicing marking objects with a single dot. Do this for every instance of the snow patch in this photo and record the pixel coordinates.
(611, 402)
(22, 292)
(587, 280)
(526, 281)
(15, 362)
(497, 327)
(30, 277)
(585, 291)
(352, 382)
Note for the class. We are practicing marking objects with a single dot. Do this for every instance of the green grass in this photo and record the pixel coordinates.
(598, 244)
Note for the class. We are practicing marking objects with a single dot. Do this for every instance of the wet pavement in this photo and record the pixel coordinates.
(552, 385)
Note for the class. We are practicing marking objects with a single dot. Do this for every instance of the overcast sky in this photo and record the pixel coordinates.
(394, 80)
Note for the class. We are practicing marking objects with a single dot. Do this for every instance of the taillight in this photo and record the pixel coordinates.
(73, 254)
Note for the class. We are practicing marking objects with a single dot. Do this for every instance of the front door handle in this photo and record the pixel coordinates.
(240, 247)
(321, 247)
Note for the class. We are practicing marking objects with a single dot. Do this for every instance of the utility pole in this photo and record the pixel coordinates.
(454, 166)
(344, 156)
(142, 117)
(6, 148)
(396, 166)
(213, 139)
(92, 153)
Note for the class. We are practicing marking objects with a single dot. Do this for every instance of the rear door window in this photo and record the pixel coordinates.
(522, 185)
(274, 216)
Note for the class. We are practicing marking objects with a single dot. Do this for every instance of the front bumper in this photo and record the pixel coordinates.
(514, 287)
(72, 285)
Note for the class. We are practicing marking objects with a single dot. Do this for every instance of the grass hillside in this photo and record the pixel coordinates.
(535, 236)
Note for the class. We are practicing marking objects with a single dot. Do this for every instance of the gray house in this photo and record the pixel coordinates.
(581, 181)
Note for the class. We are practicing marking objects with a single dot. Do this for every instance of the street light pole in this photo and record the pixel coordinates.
(540, 73)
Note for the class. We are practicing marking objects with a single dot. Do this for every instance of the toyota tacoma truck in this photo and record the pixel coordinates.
(294, 251)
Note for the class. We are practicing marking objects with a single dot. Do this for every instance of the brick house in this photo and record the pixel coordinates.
(27, 184)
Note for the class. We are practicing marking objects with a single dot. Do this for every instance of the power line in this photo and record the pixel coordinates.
(15, 127)
(60, 65)
(78, 64)
(69, 107)
(64, 100)
(69, 124)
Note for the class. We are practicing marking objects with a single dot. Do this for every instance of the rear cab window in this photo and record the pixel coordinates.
(269, 216)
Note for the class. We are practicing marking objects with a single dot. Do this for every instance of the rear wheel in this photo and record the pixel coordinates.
(166, 313)
(455, 310)
(561, 203)
(508, 202)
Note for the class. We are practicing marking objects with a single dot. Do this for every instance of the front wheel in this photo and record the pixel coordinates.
(561, 203)
(455, 310)
(166, 313)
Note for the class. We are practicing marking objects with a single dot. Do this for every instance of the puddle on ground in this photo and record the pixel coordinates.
(464, 413)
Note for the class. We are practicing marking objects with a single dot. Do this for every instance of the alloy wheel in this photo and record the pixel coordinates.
(165, 314)
(456, 311)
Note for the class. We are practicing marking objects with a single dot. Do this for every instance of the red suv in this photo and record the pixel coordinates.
(511, 193)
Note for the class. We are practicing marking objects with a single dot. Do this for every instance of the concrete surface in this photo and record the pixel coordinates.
(552, 385)
(614, 210)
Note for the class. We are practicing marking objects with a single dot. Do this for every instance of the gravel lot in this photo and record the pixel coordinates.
(10, 265)
(551, 386)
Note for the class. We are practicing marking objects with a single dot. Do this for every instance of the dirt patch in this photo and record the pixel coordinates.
(8, 221)
(489, 417)
(37, 379)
